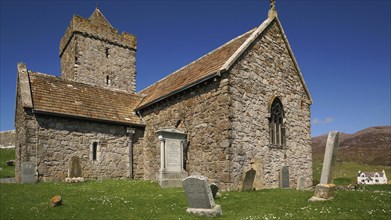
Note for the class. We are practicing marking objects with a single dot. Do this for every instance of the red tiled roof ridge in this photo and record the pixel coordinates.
(178, 70)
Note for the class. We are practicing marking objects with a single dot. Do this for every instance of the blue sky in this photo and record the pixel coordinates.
(342, 47)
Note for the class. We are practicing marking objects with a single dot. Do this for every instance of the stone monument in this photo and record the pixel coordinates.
(325, 189)
(248, 181)
(28, 172)
(74, 171)
(284, 177)
(171, 172)
(199, 197)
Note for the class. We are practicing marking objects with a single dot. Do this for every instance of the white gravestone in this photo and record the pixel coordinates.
(171, 172)
(199, 197)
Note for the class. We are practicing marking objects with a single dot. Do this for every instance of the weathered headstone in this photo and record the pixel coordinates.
(284, 177)
(214, 189)
(300, 183)
(325, 189)
(28, 172)
(74, 168)
(199, 197)
(248, 181)
(171, 172)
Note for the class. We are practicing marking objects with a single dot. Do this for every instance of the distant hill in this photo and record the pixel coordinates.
(369, 146)
(7, 139)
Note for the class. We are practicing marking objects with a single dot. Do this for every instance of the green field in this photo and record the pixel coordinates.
(125, 199)
(5, 155)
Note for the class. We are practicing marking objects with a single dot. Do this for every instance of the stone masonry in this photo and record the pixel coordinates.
(264, 72)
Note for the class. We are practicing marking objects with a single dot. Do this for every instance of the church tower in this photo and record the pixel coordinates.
(93, 52)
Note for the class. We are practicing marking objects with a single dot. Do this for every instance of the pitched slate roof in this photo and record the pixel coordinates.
(210, 65)
(53, 95)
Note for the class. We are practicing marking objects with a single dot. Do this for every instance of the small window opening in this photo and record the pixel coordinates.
(94, 149)
(108, 80)
(107, 52)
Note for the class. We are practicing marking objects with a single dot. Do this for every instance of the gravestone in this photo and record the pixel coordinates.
(199, 197)
(300, 183)
(171, 172)
(74, 171)
(284, 177)
(214, 189)
(325, 189)
(28, 172)
(74, 168)
(248, 181)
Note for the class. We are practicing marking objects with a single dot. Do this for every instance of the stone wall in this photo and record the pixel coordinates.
(90, 60)
(25, 140)
(266, 71)
(59, 139)
(203, 114)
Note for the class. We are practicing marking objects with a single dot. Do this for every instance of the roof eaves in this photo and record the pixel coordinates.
(245, 45)
(45, 112)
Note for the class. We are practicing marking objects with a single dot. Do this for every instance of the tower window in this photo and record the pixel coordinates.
(107, 52)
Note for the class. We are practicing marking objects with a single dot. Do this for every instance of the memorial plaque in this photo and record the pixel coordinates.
(173, 155)
(284, 177)
(248, 181)
(198, 192)
(74, 168)
(28, 172)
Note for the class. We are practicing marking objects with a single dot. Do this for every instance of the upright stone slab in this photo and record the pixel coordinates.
(199, 197)
(74, 171)
(284, 177)
(171, 171)
(325, 189)
(300, 183)
(74, 168)
(28, 172)
(248, 182)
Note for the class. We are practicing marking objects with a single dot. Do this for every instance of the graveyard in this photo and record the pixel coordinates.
(127, 199)
(136, 199)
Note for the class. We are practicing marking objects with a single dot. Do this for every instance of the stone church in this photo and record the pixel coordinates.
(239, 115)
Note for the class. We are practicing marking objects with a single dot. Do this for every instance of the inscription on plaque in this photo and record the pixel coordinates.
(173, 155)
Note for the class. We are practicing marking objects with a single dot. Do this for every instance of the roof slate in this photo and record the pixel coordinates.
(202, 68)
(51, 94)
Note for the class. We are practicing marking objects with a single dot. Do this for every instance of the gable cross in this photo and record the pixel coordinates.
(273, 4)
(272, 11)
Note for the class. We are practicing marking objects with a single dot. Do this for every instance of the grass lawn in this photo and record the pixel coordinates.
(5, 155)
(125, 199)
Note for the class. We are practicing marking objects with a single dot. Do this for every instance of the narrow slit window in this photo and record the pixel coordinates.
(107, 80)
(107, 52)
(94, 150)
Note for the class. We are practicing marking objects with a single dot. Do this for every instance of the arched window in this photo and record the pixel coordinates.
(276, 124)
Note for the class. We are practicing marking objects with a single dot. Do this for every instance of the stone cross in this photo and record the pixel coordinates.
(330, 156)
(325, 189)
(199, 196)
